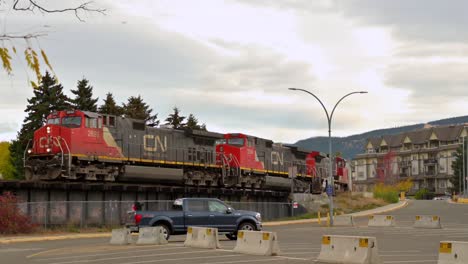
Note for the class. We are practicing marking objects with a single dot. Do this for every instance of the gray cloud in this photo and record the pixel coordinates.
(418, 49)
(424, 20)
(7, 127)
(443, 81)
(316, 6)
(255, 68)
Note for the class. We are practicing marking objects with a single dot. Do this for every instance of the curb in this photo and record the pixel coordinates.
(452, 202)
(11, 240)
(359, 214)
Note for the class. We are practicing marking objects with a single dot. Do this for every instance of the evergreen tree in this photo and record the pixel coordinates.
(137, 109)
(457, 166)
(110, 107)
(48, 97)
(84, 97)
(175, 119)
(192, 123)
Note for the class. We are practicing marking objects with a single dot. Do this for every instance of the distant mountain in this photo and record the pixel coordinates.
(352, 145)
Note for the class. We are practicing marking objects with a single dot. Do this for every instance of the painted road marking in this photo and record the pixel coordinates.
(190, 258)
(6, 250)
(131, 257)
(412, 261)
(154, 248)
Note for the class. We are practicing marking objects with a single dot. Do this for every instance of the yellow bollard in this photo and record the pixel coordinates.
(402, 196)
(328, 219)
(318, 217)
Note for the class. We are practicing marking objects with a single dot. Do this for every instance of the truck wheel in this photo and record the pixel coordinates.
(231, 236)
(247, 227)
(166, 230)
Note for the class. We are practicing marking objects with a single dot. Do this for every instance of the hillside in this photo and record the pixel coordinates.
(352, 145)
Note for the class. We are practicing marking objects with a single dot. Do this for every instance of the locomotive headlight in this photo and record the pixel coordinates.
(259, 217)
(29, 151)
(48, 130)
(48, 150)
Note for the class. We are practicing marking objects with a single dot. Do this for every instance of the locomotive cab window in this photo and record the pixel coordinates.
(236, 142)
(53, 121)
(220, 141)
(71, 121)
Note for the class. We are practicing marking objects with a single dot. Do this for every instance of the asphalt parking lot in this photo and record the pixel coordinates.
(299, 243)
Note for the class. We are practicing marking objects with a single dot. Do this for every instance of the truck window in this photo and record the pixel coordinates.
(215, 206)
(197, 206)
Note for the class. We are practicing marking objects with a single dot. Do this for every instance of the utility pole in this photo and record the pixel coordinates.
(464, 166)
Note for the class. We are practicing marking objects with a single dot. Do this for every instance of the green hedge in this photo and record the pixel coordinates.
(424, 194)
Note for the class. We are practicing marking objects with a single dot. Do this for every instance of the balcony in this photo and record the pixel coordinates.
(404, 164)
(430, 161)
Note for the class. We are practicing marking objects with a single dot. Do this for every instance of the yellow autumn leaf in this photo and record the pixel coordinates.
(6, 60)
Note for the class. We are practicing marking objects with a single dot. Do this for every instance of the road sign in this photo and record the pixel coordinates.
(329, 190)
(295, 205)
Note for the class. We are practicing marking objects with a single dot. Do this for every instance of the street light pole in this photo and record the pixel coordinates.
(329, 119)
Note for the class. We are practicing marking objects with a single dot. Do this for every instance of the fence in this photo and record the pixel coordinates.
(115, 213)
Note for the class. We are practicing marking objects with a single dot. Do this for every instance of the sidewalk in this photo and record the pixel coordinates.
(379, 210)
(37, 238)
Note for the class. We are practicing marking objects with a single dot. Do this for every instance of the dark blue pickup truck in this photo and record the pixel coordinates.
(206, 212)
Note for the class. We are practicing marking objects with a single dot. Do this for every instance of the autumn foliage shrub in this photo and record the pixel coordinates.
(12, 220)
(388, 193)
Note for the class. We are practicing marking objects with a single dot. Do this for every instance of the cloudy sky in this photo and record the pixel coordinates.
(230, 62)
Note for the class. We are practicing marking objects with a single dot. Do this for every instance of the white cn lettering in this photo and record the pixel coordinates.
(277, 158)
(157, 142)
(41, 142)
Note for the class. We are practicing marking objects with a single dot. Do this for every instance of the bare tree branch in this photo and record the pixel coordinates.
(32, 5)
(27, 36)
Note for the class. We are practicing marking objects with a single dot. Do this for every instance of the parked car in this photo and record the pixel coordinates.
(440, 198)
(205, 212)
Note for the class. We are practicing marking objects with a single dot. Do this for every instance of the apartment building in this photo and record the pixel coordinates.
(425, 155)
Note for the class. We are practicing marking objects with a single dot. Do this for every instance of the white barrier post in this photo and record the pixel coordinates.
(202, 237)
(343, 220)
(453, 252)
(151, 236)
(427, 221)
(349, 249)
(381, 220)
(257, 243)
(121, 237)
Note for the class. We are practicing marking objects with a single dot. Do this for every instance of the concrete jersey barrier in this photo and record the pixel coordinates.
(343, 220)
(151, 236)
(453, 252)
(202, 237)
(349, 249)
(427, 221)
(257, 243)
(381, 220)
(121, 237)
